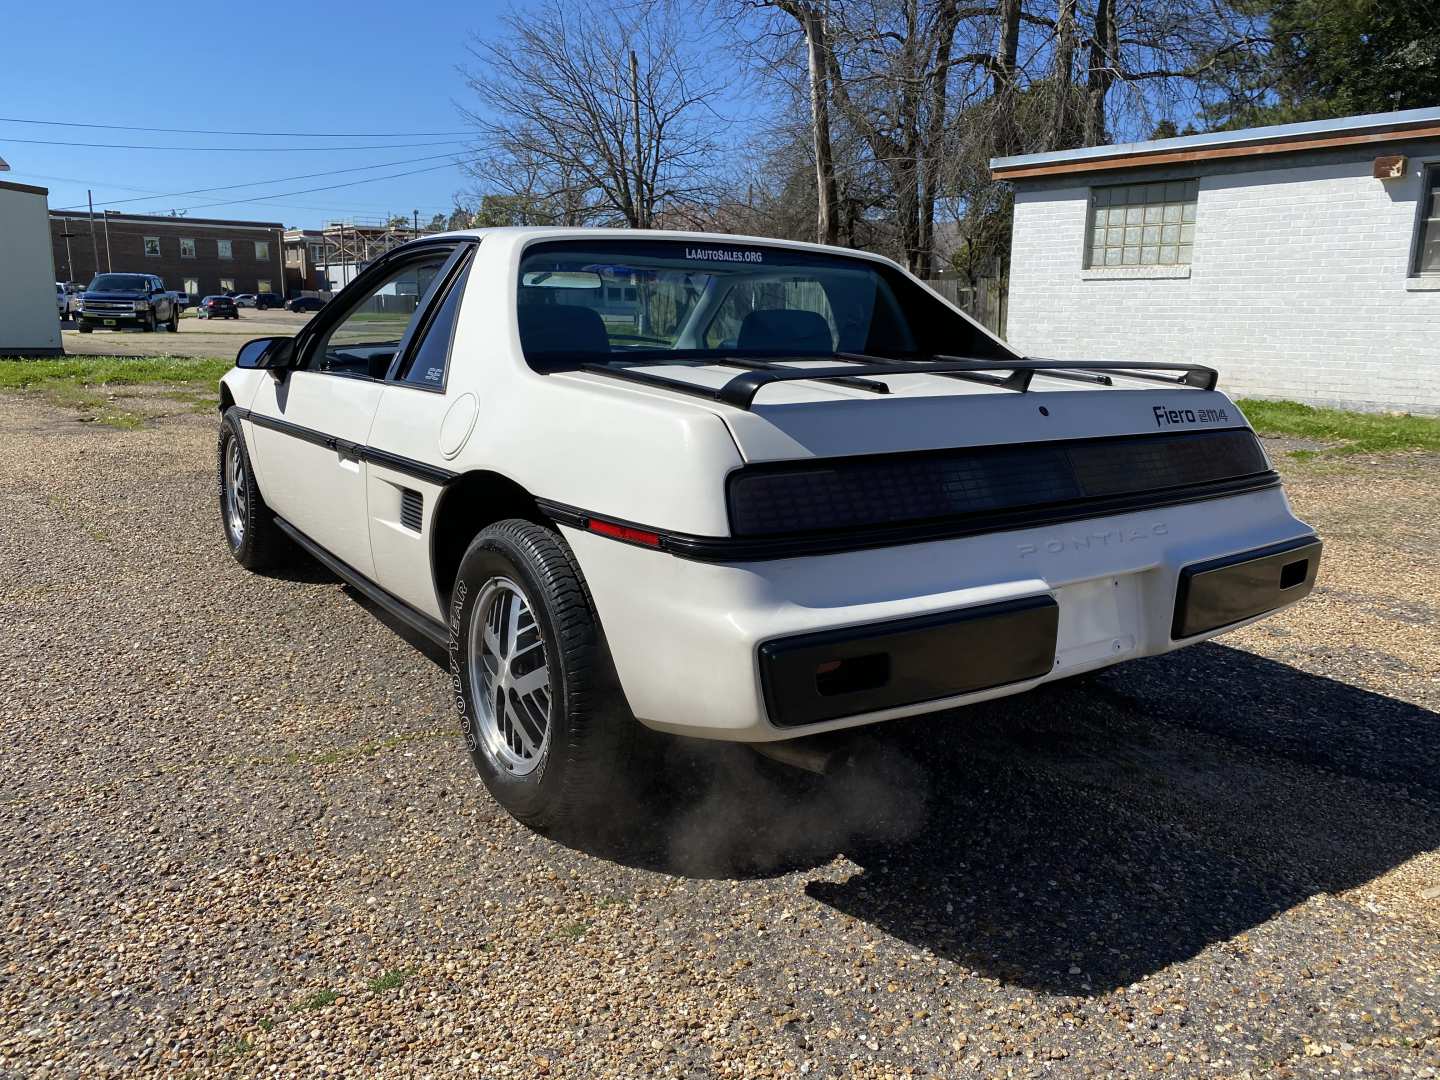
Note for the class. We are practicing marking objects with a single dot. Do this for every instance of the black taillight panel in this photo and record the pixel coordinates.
(896, 489)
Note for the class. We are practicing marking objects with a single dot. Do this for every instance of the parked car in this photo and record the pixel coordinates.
(245, 300)
(269, 300)
(802, 493)
(62, 300)
(305, 303)
(114, 301)
(217, 307)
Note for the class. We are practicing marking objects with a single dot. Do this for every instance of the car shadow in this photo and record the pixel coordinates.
(1073, 839)
(1077, 841)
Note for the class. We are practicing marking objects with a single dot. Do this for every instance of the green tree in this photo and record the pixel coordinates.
(1338, 58)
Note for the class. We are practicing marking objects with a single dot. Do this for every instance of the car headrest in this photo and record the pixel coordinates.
(783, 331)
(552, 332)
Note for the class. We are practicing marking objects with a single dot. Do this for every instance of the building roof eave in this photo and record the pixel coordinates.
(1250, 142)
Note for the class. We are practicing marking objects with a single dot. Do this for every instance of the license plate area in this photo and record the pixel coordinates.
(1098, 621)
(1238, 587)
(109, 322)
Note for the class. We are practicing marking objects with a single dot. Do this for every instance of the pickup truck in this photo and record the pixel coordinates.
(733, 488)
(115, 301)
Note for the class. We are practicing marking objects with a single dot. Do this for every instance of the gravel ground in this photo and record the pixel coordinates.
(239, 835)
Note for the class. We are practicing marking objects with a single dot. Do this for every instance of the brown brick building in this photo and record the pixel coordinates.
(201, 256)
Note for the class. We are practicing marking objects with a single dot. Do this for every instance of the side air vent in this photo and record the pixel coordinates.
(412, 506)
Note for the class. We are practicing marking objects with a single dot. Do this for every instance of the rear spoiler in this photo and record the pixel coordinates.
(861, 372)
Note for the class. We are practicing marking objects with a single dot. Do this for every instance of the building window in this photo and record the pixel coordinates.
(187, 247)
(227, 284)
(192, 287)
(262, 250)
(224, 246)
(317, 254)
(152, 247)
(1142, 224)
(263, 285)
(1427, 234)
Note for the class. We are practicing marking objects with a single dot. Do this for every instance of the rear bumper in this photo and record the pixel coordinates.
(1222, 592)
(788, 647)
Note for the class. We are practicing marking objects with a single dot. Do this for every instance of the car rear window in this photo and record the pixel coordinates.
(580, 301)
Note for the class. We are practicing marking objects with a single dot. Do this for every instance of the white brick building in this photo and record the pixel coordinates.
(1277, 255)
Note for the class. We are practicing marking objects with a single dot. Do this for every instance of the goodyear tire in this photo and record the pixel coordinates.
(248, 524)
(542, 716)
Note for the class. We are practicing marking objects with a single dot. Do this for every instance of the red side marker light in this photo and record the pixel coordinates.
(624, 532)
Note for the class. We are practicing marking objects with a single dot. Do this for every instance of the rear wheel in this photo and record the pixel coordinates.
(543, 720)
(249, 526)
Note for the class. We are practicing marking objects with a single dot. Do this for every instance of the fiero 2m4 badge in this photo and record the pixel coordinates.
(1168, 417)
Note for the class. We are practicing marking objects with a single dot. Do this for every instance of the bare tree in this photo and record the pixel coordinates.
(595, 114)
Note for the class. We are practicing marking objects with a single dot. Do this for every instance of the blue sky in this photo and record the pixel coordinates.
(355, 68)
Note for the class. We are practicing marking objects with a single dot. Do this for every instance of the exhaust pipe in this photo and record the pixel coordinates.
(818, 754)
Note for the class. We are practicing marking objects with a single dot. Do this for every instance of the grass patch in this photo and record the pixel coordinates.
(236, 1048)
(111, 370)
(87, 384)
(1353, 432)
(574, 931)
(318, 1000)
(391, 980)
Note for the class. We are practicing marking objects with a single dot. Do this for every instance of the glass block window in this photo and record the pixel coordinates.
(1142, 224)
(262, 250)
(1427, 240)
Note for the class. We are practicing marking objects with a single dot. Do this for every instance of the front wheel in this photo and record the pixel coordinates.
(150, 324)
(249, 526)
(542, 717)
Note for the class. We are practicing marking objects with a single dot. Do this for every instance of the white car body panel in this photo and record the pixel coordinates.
(320, 490)
(685, 644)
(685, 634)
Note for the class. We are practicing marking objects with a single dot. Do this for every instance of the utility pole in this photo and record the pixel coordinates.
(416, 216)
(69, 259)
(105, 216)
(94, 247)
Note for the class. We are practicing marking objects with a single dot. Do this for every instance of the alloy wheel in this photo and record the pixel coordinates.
(510, 677)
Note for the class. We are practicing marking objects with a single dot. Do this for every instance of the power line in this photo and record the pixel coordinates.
(270, 134)
(258, 183)
(306, 191)
(81, 180)
(225, 149)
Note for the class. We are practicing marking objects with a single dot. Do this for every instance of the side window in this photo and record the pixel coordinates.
(429, 359)
(368, 335)
(1427, 237)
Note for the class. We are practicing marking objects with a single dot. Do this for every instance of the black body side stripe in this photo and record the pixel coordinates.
(755, 549)
(761, 548)
(409, 466)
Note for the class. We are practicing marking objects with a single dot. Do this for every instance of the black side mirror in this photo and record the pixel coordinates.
(275, 354)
